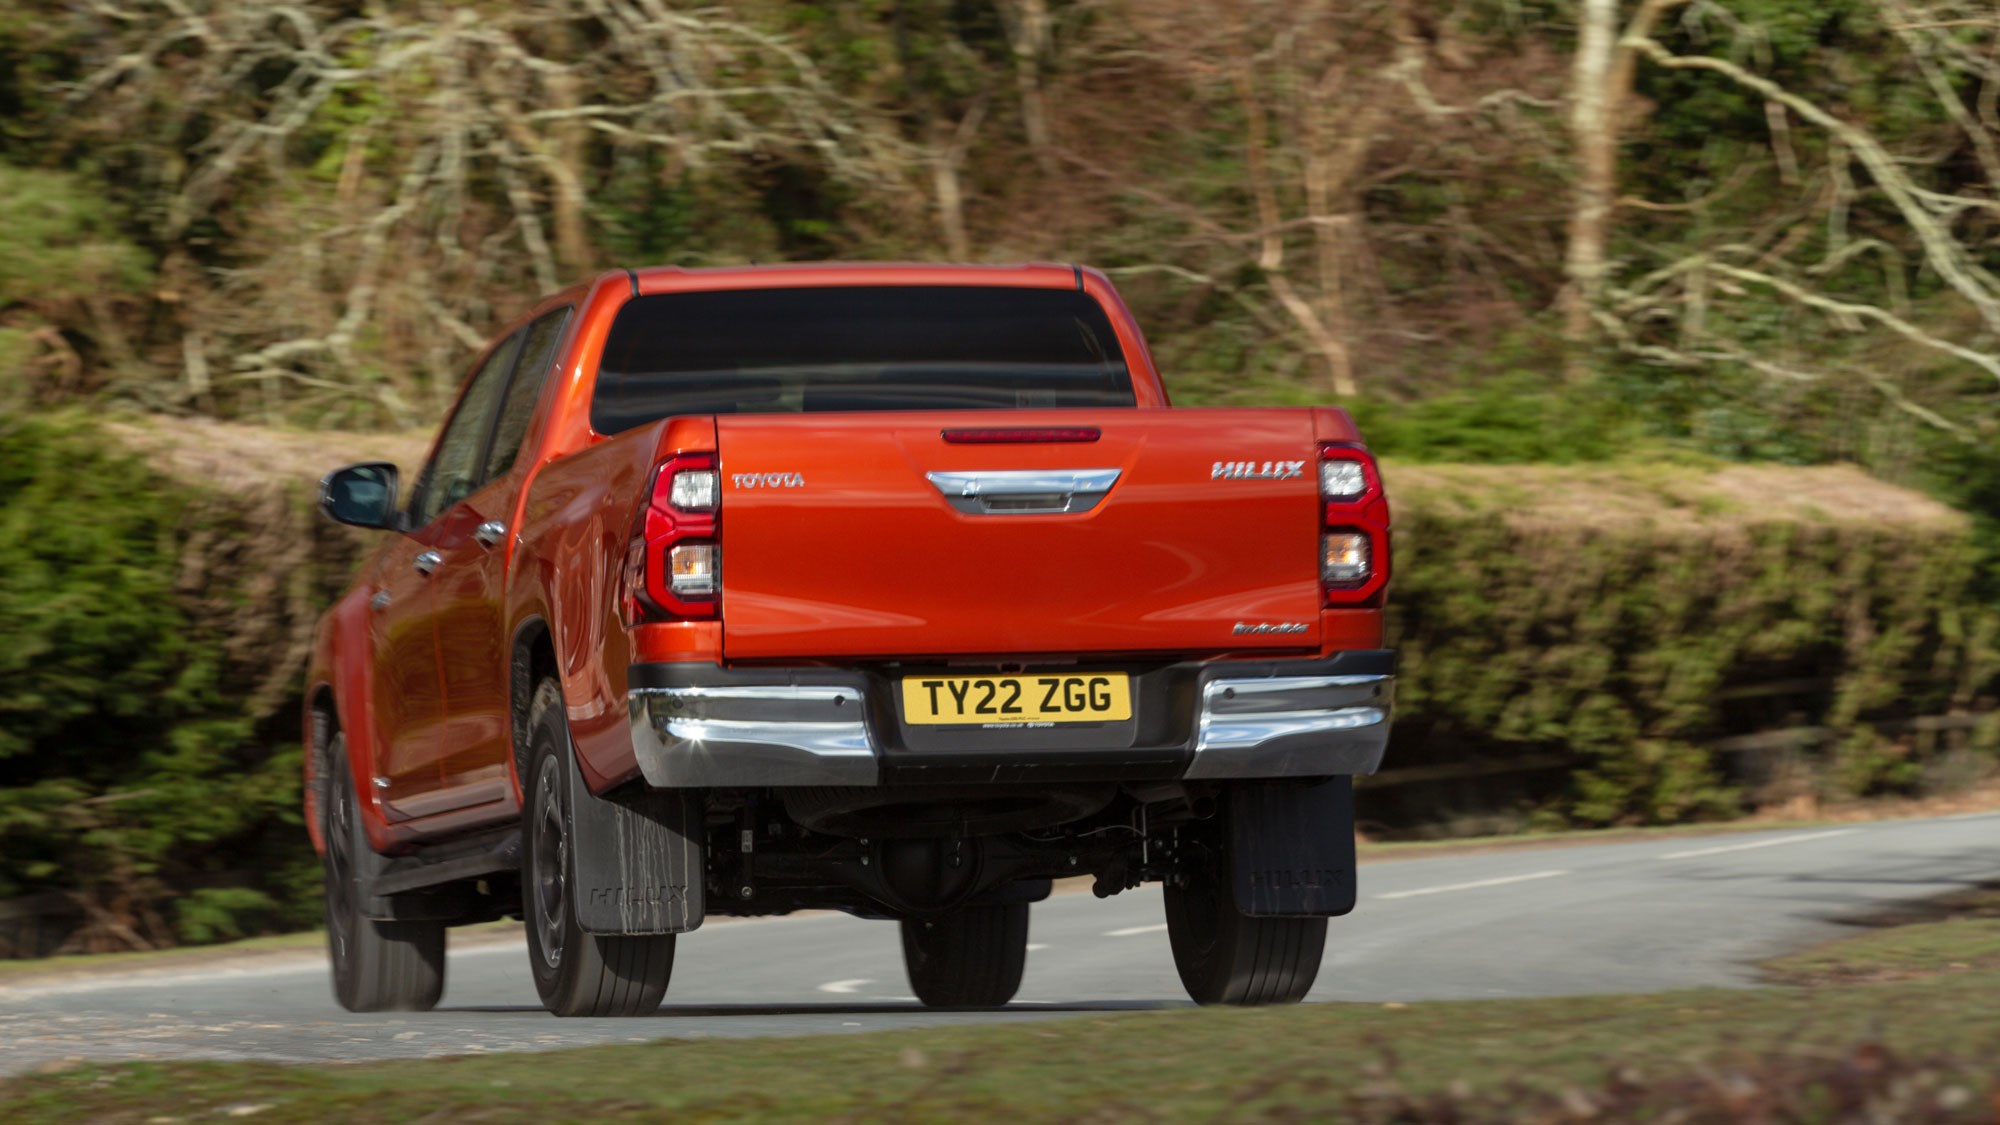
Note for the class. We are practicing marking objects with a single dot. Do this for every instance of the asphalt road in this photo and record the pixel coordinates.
(1665, 913)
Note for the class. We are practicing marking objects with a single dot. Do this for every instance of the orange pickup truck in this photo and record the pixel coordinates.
(889, 589)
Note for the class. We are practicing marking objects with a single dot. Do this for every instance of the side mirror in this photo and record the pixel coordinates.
(361, 495)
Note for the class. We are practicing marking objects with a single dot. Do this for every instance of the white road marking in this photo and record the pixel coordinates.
(1132, 931)
(1449, 887)
(845, 987)
(1760, 844)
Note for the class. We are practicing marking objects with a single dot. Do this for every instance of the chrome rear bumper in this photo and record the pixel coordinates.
(753, 735)
(1292, 726)
(818, 726)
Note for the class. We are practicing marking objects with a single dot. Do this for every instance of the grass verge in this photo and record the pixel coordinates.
(1920, 1044)
(1956, 934)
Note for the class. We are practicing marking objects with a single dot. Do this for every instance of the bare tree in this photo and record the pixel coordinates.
(1336, 102)
(1681, 312)
(1028, 35)
(452, 156)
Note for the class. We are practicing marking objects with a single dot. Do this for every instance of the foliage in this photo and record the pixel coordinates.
(1530, 622)
(59, 241)
(1285, 191)
(135, 767)
(1510, 419)
(65, 262)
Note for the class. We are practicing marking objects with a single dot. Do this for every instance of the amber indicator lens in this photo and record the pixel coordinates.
(1345, 558)
(694, 569)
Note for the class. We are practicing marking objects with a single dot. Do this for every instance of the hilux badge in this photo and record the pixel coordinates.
(1257, 470)
(1281, 628)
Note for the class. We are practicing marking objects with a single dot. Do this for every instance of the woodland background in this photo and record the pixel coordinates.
(1586, 271)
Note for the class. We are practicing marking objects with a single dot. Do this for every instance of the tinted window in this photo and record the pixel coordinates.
(759, 351)
(518, 408)
(454, 469)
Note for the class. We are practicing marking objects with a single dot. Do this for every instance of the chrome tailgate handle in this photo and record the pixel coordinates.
(1004, 492)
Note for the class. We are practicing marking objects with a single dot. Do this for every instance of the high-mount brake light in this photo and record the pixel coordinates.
(673, 566)
(1354, 526)
(1023, 436)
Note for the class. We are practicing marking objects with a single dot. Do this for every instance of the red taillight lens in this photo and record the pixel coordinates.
(673, 566)
(1354, 540)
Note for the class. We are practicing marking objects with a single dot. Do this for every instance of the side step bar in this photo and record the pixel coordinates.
(490, 853)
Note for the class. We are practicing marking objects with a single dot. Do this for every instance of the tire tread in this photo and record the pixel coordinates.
(973, 957)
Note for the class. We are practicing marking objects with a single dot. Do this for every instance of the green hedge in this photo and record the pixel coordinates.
(149, 756)
(1626, 619)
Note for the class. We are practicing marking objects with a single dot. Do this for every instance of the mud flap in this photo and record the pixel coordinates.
(636, 859)
(1291, 848)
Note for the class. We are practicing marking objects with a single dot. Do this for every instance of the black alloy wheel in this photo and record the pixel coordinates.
(378, 966)
(576, 973)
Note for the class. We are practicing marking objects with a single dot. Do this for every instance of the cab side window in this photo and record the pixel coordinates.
(453, 472)
(518, 408)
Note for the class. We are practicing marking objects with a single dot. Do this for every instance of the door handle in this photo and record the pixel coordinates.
(1002, 492)
(429, 561)
(490, 533)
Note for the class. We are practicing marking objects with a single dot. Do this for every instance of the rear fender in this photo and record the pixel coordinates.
(578, 520)
(340, 661)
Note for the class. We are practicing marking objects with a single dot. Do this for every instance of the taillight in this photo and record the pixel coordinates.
(1354, 539)
(673, 565)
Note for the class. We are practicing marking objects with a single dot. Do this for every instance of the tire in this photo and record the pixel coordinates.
(972, 957)
(1227, 957)
(377, 966)
(576, 973)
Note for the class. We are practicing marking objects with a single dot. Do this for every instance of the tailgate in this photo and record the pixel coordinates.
(852, 535)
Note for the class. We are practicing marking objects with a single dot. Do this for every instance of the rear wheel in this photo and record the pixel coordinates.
(1227, 957)
(576, 973)
(377, 966)
(972, 957)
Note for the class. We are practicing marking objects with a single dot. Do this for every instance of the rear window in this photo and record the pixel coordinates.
(788, 351)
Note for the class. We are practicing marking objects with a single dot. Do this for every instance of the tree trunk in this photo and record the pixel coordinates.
(1028, 35)
(1593, 122)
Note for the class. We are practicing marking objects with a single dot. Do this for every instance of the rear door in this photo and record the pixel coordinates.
(475, 543)
(416, 746)
(853, 535)
(406, 706)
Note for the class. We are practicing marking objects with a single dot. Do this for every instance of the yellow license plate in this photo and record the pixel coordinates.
(1101, 697)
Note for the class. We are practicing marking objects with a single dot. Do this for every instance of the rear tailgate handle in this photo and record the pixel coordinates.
(1024, 492)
